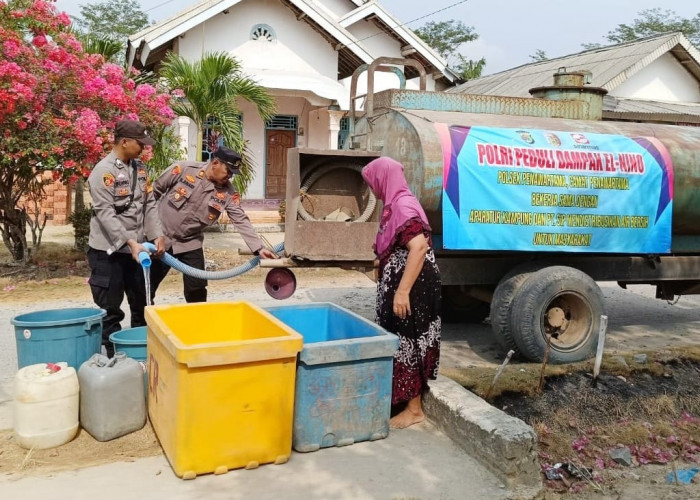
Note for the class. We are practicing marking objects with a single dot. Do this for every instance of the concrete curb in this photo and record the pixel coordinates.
(504, 444)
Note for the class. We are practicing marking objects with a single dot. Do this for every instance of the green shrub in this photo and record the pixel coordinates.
(80, 220)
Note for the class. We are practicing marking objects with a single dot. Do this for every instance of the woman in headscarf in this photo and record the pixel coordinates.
(408, 288)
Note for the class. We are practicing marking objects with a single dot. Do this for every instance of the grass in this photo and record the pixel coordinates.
(579, 425)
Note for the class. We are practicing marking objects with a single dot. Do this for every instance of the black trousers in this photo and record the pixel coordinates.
(112, 276)
(194, 289)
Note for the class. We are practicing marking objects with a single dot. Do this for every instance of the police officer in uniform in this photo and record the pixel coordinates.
(192, 196)
(124, 213)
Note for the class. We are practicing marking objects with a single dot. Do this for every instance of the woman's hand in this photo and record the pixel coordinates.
(402, 304)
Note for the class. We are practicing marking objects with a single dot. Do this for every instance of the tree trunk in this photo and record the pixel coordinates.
(14, 233)
(79, 195)
(200, 138)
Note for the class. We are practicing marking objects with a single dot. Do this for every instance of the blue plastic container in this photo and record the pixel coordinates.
(343, 385)
(131, 341)
(70, 335)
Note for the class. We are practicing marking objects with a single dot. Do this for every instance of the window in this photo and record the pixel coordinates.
(282, 122)
(210, 136)
(344, 133)
(263, 32)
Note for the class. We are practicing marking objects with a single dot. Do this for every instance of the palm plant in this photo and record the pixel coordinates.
(211, 89)
(109, 48)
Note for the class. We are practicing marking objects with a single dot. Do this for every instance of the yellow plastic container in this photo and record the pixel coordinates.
(221, 385)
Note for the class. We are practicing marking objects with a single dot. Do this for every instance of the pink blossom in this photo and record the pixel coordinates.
(11, 48)
(580, 443)
(112, 73)
(39, 40)
(71, 42)
(8, 68)
(166, 112)
(64, 19)
(144, 91)
(95, 85)
(50, 66)
(178, 93)
(114, 94)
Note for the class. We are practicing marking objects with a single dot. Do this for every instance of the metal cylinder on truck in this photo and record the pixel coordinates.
(410, 137)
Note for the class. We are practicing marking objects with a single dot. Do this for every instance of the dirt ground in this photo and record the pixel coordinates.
(652, 408)
(83, 451)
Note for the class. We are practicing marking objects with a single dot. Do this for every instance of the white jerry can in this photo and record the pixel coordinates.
(46, 405)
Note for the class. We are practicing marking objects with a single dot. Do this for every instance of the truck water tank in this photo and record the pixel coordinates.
(45, 405)
(413, 138)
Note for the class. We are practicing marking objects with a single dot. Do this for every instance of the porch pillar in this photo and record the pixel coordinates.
(183, 131)
(334, 127)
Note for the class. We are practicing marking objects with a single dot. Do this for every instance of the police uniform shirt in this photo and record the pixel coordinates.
(188, 202)
(110, 186)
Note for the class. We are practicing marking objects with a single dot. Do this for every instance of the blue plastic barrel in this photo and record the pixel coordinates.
(131, 341)
(70, 335)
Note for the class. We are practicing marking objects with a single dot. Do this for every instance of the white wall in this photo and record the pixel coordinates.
(663, 80)
(225, 32)
(318, 125)
(254, 133)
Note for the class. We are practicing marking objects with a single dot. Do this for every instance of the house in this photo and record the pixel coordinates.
(305, 52)
(654, 79)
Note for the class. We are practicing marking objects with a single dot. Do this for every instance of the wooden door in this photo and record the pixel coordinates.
(278, 142)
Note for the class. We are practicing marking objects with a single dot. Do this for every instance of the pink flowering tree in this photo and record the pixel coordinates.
(58, 106)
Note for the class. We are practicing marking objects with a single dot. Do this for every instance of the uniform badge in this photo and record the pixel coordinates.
(221, 196)
(142, 171)
(211, 216)
(189, 178)
(201, 174)
(176, 196)
(108, 180)
(123, 192)
(236, 198)
(216, 206)
(177, 170)
(182, 191)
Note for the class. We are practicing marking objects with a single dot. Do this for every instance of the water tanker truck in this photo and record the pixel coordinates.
(531, 202)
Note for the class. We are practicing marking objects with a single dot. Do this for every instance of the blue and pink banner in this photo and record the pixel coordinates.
(552, 191)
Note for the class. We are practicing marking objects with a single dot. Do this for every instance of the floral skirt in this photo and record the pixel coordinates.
(418, 356)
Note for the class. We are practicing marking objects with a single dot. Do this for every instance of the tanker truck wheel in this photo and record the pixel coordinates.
(501, 304)
(562, 302)
(458, 306)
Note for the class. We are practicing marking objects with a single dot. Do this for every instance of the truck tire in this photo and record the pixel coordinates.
(458, 306)
(561, 300)
(502, 301)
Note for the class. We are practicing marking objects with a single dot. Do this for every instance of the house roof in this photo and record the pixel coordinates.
(615, 108)
(413, 45)
(610, 66)
(148, 46)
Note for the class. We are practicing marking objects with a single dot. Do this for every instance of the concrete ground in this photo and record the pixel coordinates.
(407, 464)
(420, 462)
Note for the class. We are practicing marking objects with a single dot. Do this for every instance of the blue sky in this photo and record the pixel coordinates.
(509, 30)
